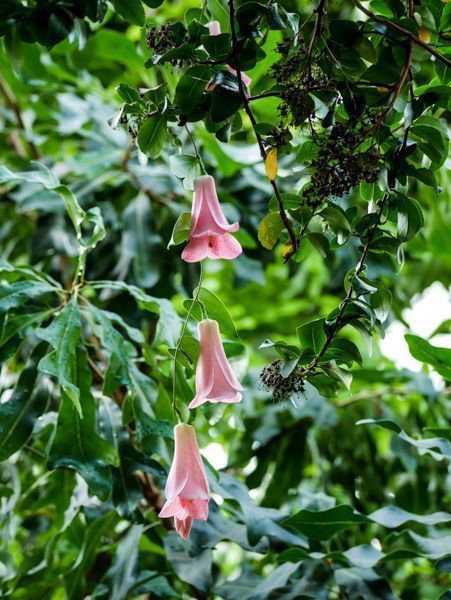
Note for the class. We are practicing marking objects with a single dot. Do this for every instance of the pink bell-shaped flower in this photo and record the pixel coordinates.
(214, 27)
(210, 232)
(215, 380)
(186, 490)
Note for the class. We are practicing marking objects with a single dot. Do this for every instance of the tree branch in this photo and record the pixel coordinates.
(250, 114)
(13, 105)
(315, 33)
(395, 27)
(309, 370)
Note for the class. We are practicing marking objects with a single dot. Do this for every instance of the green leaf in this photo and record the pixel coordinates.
(78, 216)
(74, 581)
(169, 324)
(438, 358)
(122, 572)
(432, 138)
(181, 230)
(393, 516)
(410, 217)
(269, 230)
(438, 447)
(322, 525)
(131, 10)
(128, 93)
(76, 444)
(19, 413)
(216, 310)
(20, 293)
(312, 334)
(185, 167)
(343, 351)
(445, 21)
(218, 46)
(337, 220)
(152, 135)
(63, 334)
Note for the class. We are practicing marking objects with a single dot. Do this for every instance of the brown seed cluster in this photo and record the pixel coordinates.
(162, 39)
(282, 388)
(339, 166)
(296, 80)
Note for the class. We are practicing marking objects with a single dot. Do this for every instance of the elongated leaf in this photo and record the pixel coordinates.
(322, 525)
(438, 358)
(76, 444)
(439, 448)
(63, 334)
(18, 414)
(131, 10)
(152, 135)
(393, 516)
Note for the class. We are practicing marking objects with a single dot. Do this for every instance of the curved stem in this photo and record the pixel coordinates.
(309, 370)
(250, 114)
(395, 27)
(316, 32)
(196, 151)
(195, 298)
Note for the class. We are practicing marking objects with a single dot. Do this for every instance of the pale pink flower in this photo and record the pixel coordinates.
(214, 27)
(215, 380)
(186, 490)
(210, 232)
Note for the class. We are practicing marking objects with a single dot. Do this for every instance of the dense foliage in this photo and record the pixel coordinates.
(335, 474)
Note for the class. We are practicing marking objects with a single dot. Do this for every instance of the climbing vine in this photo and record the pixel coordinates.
(212, 214)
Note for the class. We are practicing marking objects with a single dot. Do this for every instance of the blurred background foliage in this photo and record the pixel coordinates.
(338, 491)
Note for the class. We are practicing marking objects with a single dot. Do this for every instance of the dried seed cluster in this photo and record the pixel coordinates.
(295, 82)
(339, 166)
(162, 39)
(282, 388)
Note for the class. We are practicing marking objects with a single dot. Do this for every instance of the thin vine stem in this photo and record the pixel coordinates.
(196, 151)
(194, 299)
(311, 367)
(319, 13)
(250, 114)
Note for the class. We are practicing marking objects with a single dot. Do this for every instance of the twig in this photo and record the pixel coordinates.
(195, 298)
(11, 102)
(315, 33)
(339, 318)
(250, 114)
(395, 27)
(196, 151)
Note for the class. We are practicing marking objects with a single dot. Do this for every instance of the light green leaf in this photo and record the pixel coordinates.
(76, 444)
(152, 135)
(63, 334)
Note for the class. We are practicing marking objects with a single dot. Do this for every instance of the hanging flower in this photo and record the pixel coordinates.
(210, 232)
(214, 27)
(186, 490)
(215, 380)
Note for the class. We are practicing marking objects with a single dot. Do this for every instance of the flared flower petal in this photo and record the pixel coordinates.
(187, 492)
(208, 218)
(210, 231)
(215, 379)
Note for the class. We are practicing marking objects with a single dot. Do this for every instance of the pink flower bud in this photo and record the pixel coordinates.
(214, 27)
(186, 490)
(210, 232)
(215, 380)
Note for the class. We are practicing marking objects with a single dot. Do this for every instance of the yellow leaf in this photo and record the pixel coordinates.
(269, 230)
(424, 35)
(287, 250)
(271, 164)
